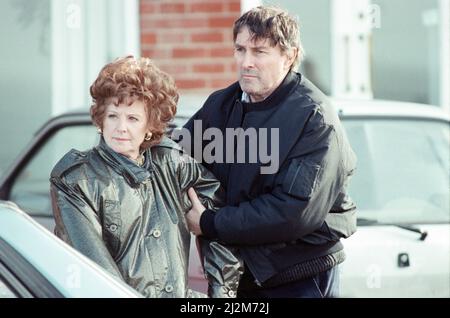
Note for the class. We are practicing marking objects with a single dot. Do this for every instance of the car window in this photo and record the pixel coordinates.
(403, 170)
(5, 291)
(31, 188)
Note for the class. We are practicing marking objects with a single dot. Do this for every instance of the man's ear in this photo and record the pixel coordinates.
(291, 56)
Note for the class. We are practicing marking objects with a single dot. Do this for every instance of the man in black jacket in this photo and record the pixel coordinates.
(286, 213)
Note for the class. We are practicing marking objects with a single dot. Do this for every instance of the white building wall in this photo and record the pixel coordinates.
(87, 34)
(351, 25)
(445, 54)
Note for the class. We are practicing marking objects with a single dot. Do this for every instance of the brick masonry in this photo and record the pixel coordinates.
(191, 40)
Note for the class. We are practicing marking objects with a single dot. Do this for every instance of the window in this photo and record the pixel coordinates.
(5, 291)
(402, 174)
(31, 189)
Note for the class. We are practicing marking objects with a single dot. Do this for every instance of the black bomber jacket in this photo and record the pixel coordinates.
(286, 223)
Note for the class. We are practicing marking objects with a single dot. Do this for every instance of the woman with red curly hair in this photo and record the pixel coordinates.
(122, 203)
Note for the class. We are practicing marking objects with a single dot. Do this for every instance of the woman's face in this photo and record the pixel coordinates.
(125, 127)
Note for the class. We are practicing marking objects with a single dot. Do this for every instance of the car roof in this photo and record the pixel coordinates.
(347, 108)
(387, 108)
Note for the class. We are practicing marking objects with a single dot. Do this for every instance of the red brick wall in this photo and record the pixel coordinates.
(192, 40)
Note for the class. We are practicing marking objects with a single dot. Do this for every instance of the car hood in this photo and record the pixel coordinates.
(387, 261)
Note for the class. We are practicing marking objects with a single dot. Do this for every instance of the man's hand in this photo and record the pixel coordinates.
(194, 214)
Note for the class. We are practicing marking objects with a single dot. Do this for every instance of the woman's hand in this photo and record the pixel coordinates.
(195, 213)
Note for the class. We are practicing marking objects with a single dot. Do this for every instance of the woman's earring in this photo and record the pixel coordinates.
(99, 131)
(148, 136)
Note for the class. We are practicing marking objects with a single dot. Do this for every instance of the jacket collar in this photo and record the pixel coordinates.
(132, 173)
(289, 83)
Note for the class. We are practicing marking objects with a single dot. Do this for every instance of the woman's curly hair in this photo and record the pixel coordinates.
(128, 79)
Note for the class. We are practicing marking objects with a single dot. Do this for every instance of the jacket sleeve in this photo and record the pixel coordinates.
(193, 174)
(304, 192)
(222, 264)
(78, 225)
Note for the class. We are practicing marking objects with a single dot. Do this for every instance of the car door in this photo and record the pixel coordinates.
(19, 278)
(35, 263)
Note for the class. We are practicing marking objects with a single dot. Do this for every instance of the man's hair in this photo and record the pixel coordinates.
(128, 79)
(273, 24)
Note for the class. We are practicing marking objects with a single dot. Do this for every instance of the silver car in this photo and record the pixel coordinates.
(402, 190)
(35, 263)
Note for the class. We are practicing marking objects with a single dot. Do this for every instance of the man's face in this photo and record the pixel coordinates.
(261, 67)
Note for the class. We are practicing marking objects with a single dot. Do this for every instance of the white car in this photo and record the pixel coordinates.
(35, 263)
(401, 188)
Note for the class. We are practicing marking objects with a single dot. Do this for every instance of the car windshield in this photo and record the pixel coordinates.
(403, 170)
